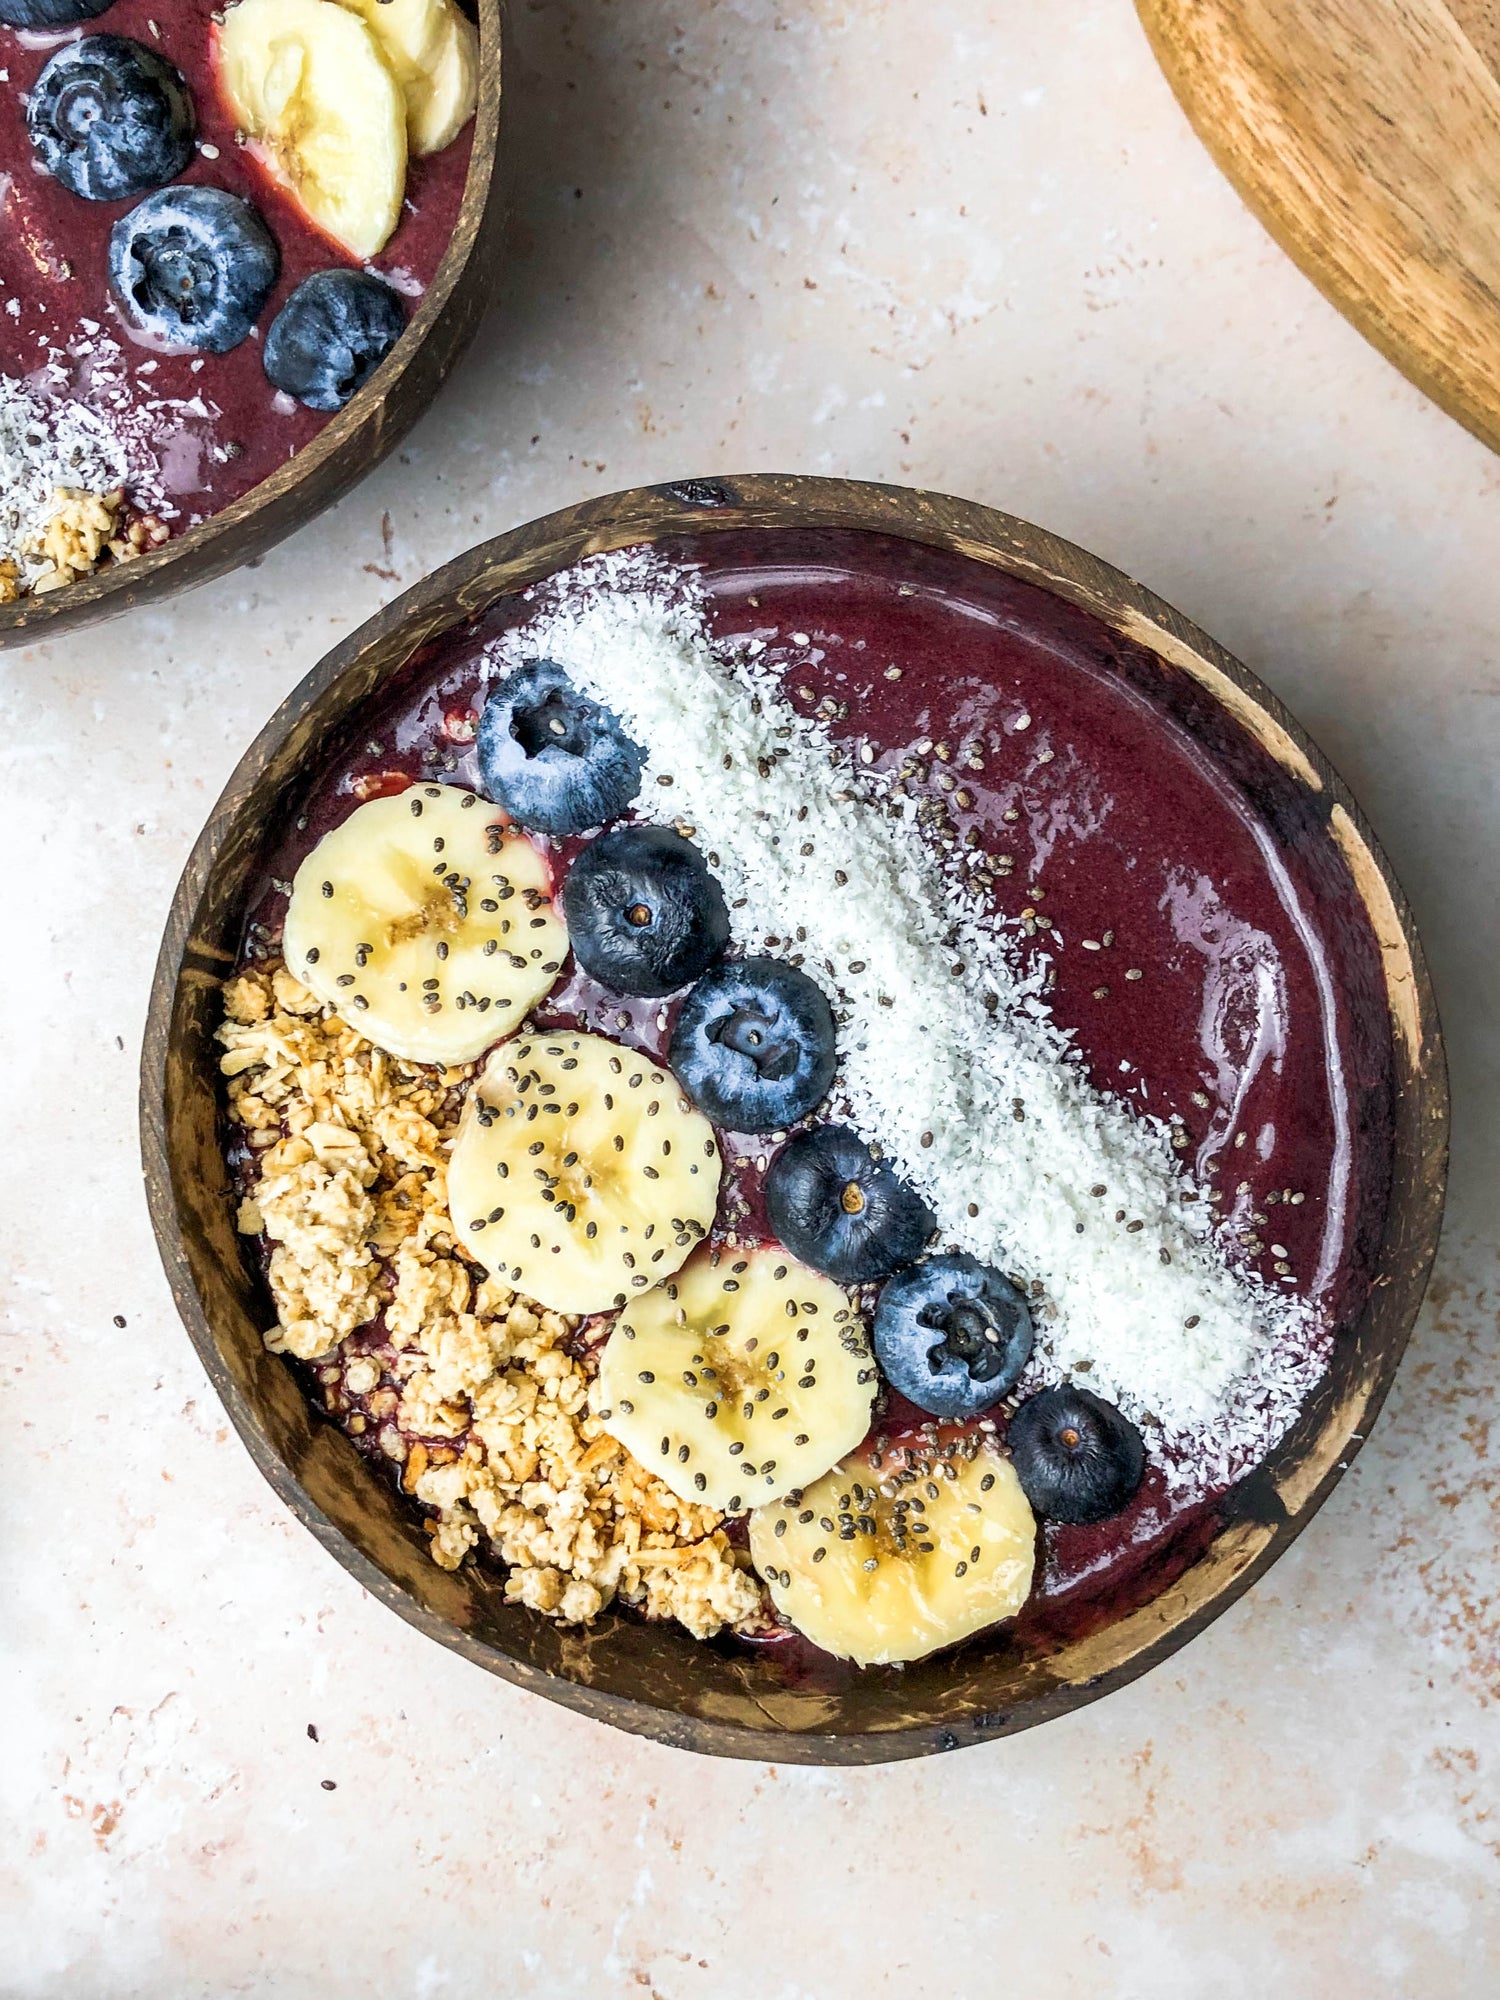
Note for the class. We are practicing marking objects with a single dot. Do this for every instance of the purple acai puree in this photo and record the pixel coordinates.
(1231, 967)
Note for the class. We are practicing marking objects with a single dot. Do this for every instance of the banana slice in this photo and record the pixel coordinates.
(580, 1174)
(445, 99)
(433, 53)
(896, 1553)
(313, 93)
(427, 922)
(740, 1379)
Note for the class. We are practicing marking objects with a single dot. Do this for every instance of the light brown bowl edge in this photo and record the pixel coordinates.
(1299, 1475)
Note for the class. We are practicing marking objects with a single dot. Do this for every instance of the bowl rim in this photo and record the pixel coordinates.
(372, 422)
(1245, 1547)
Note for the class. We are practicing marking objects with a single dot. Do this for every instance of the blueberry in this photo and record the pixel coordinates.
(1077, 1458)
(331, 336)
(193, 266)
(50, 13)
(110, 119)
(556, 760)
(644, 914)
(753, 1045)
(952, 1335)
(838, 1208)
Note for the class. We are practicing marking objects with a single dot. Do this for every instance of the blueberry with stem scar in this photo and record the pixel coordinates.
(110, 118)
(953, 1335)
(1078, 1458)
(557, 760)
(643, 912)
(192, 267)
(838, 1208)
(753, 1045)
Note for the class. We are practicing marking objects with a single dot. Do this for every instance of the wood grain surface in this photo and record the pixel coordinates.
(655, 1679)
(1365, 134)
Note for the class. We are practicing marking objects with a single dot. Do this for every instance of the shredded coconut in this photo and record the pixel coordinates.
(47, 448)
(96, 374)
(950, 1060)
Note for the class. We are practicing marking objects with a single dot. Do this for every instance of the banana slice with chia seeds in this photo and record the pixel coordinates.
(427, 922)
(900, 1551)
(742, 1378)
(580, 1174)
(313, 93)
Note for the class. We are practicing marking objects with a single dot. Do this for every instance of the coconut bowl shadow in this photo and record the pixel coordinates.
(655, 1679)
(352, 443)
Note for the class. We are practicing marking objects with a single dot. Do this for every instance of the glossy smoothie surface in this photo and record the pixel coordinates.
(1208, 963)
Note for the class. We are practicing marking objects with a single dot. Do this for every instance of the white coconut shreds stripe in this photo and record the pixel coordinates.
(45, 446)
(944, 1037)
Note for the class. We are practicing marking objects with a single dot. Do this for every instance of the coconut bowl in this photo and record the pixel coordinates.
(654, 1679)
(354, 441)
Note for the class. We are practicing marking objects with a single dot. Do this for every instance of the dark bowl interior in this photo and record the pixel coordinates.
(353, 442)
(824, 542)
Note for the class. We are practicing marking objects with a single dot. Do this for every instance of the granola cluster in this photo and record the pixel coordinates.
(481, 1397)
(81, 531)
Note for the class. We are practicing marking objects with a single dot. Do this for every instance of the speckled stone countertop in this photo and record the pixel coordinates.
(968, 246)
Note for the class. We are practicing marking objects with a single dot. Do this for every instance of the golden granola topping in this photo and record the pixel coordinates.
(484, 1399)
(82, 530)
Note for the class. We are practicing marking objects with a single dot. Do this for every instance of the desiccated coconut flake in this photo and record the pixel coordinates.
(1218, 1360)
(47, 448)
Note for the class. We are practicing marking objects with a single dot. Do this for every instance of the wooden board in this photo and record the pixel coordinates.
(1365, 134)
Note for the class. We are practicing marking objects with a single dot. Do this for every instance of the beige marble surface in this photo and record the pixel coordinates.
(970, 244)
